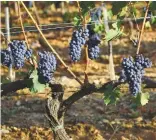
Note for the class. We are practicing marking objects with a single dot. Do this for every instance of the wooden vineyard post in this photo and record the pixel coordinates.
(7, 26)
(110, 48)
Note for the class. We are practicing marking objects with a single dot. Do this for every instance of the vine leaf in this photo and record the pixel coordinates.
(111, 95)
(153, 5)
(36, 86)
(153, 19)
(109, 14)
(117, 6)
(123, 11)
(116, 25)
(99, 28)
(112, 34)
(142, 98)
(77, 21)
(147, 24)
(86, 6)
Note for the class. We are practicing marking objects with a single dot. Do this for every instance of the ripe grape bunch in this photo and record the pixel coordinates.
(133, 71)
(96, 15)
(93, 48)
(46, 66)
(15, 54)
(79, 38)
(6, 57)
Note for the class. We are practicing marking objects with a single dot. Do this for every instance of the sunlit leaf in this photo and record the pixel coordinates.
(142, 98)
(36, 86)
(86, 6)
(112, 34)
(117, 6)
(111, 95)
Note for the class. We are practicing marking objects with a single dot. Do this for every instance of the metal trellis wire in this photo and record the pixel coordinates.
(61, 26)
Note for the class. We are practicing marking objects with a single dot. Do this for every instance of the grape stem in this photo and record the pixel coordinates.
(21, 22)
(142, 30)
(52, 49)
(31, 60)
(86, 80)
(5, 38)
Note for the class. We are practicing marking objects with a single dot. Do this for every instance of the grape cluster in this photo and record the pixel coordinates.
(15, 54)
(46, 66)
(6, 58)
(132, 72)
(18, 50)
(78, 40)
(28, 53)
(96, 15)
(93, 48)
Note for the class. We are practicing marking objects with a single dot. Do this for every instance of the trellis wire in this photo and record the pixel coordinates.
(66, 23)
(54, 28)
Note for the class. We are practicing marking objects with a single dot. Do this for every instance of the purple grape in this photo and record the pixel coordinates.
(46, 66)
(133, 71)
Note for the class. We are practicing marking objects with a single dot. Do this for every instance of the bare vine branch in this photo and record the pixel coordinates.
(86, 80)
(21, 22)
(142, 30)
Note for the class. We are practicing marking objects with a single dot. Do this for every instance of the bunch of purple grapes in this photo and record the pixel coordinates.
(6, 58)
(133, 71)
(15, 54)
(79, 38)
(93, 48)
(18, 50)
(46, 66)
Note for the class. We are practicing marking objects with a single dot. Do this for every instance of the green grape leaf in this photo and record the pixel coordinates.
(117, 25)
(86, 6)
(142, 98)
(117, 6)
(112, 34)
(77, 21)
(153, 20)
(153, 5)
(109, 14)
(36, 86)
(123, 12)
(147, 24)
(99, 28)
(133, 10)
(111, 95)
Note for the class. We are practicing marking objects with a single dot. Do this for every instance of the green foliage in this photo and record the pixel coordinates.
(141, 99)
(86, 6)
(109, 14)
(111, 95)
(77, 20)
(117, 6)
(153, 5)
(115, 32)
(147, 24)
(99, 28)
(68, 17)
(153, 20)
(34, 85)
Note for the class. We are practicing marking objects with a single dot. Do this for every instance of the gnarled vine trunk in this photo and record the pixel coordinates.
(56, 120)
